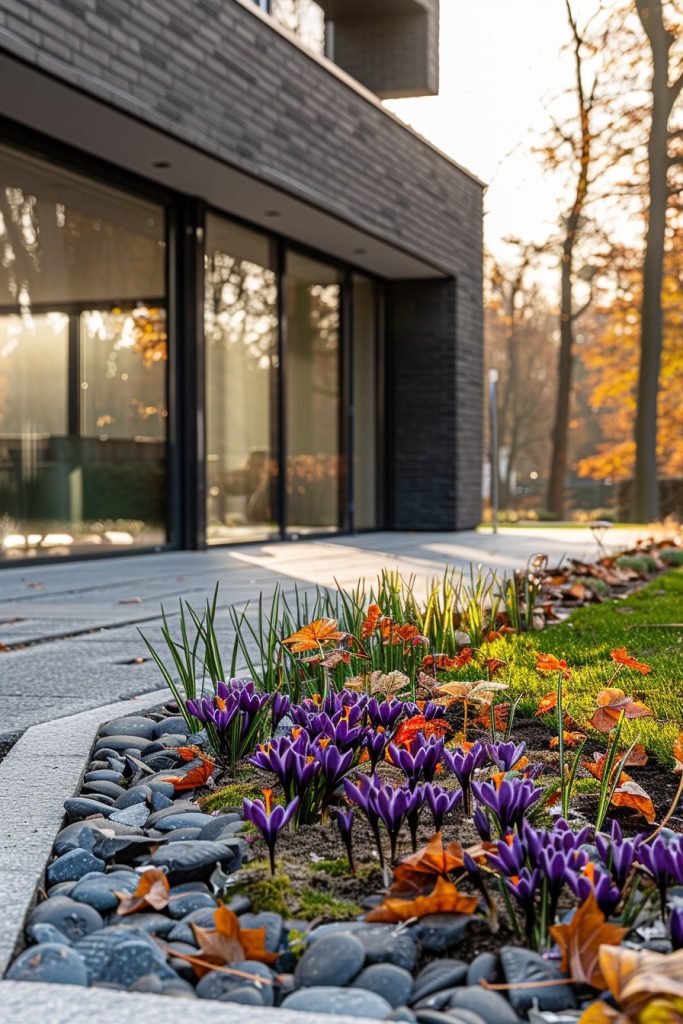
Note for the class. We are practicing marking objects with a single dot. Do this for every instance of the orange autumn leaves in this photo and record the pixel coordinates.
(647, 987)
(427, 869)
(580, 940)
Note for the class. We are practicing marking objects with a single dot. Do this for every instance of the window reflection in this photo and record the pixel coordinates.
(241, 381)
(366, 484)
(314, 454)
(83, 357)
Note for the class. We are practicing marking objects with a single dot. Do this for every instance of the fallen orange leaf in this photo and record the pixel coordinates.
(228, 942)
(195, 778)
(152, 891)
(546, 704)
(678, 753)
(445, 898)
(580, 942)
(408, 730)
(622, 657)
(571, 739)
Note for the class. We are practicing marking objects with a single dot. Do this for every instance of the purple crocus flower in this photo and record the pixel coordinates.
(279, 708)
(441, 802)
(420, 761)
(428, 712)
(505, 755)
(676, 928)
(482, 824)
(594, 879)
(277, 756)
(508, 799)
(385, 713)
(344, 821)
(617, 854)
(463, 764)
(510, 857)
(391, 805)
(342, 733)
(664, 861)
(375, 742)
(334, 764)
(523, 886)
(269, 819)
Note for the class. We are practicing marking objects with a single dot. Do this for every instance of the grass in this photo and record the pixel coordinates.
(585, 641)
(557, 524)
(229, 796)
(314, 904)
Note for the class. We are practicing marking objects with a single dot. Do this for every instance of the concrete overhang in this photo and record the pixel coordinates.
(335, 9)
(39, 101)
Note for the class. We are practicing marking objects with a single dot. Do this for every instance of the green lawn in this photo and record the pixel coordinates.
(585, 641)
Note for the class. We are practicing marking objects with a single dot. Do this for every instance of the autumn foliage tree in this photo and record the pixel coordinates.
(611, 357)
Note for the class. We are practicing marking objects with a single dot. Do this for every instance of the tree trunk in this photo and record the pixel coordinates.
(645, 505)
(559, 454)
(558, 458)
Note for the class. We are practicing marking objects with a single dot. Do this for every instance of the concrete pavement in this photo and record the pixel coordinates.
(72, 628)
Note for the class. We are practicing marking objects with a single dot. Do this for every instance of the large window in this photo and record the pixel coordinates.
(83, 357)
(240, 326)
(315, 464)
(366, 485)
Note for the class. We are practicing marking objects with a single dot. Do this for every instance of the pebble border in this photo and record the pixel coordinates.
(44, 768)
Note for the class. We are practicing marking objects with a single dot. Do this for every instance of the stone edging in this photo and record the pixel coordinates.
(43, 769)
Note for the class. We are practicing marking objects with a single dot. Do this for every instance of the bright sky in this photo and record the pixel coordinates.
(501, 63)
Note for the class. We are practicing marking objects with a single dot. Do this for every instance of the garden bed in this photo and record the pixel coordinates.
(172, 877)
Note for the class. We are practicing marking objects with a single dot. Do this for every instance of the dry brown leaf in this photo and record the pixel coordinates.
(444, 899)
(648, 986)
(611, 703)
(571, 739)
(630, 794)
(547, 703)
(580, 942)
(193, 779)
(152, 891)
(227, 942)
(678, 753)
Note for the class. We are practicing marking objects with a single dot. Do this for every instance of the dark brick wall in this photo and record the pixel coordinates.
(214, 74)
(394, 53)
(435, 423)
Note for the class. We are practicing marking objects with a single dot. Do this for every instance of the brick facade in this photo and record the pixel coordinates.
(217, 76)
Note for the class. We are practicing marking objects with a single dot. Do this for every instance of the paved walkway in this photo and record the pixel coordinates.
(72, 628)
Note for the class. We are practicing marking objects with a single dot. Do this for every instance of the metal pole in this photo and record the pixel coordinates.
(493, 420)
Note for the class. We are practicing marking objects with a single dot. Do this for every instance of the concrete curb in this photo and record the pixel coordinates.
(31, 1002)
(43, 768)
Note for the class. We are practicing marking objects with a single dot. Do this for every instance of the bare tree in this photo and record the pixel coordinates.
(665, 91)
(581, 144)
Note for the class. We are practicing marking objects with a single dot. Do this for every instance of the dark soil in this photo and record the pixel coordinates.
(342, 893)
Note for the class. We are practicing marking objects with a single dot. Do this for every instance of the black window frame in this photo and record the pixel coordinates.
(185, 221)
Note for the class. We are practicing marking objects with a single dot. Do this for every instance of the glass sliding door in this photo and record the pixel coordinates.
(315, 465)
(240, 326)
(366, 485)
(83, 358)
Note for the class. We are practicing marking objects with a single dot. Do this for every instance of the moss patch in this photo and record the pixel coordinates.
(314, 904)
(228, 796)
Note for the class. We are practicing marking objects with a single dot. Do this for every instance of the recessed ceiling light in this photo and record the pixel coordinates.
(273, 213)
(161, 164)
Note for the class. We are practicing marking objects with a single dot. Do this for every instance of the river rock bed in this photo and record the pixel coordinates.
(128, 816)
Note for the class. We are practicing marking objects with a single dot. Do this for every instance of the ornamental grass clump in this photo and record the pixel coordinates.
(235, 717)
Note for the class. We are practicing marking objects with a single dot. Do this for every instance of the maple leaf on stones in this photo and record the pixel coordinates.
(580, 940)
